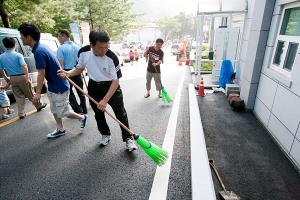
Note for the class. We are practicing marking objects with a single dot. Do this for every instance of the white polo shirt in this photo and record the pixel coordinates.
(100, 68)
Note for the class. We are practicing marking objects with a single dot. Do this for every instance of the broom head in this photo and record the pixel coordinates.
(165, 97)
(157, 154)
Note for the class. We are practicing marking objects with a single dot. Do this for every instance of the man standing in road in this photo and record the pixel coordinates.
(103, 85)
(67, 57)
(15, 71)
(58, 89)
(154, 55)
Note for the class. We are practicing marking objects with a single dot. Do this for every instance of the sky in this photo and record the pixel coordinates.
(173, 7)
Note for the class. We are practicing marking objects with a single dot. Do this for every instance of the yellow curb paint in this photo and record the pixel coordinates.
(17, 118)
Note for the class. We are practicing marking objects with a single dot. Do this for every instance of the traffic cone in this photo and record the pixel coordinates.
(201, 88)
(179, 62)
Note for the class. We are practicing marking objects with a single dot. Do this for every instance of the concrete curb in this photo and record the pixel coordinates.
(202, 183)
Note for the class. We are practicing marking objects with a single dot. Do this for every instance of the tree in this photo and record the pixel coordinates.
(187, 24)
(176, 26)
(169, 27)
(115, 16)
(7, 8)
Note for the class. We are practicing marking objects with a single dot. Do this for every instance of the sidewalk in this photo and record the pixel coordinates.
(250, 163)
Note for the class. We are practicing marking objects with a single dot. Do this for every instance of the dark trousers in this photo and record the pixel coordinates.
(78, 108)
(97, 90)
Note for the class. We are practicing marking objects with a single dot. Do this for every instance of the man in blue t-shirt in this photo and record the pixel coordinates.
(58, 88)
(67, 57)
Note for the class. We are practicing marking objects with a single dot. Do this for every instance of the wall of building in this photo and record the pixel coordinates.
(254, 41)
(277, 102)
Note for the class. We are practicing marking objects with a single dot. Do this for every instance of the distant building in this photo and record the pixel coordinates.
(270, 70)
(149, 32)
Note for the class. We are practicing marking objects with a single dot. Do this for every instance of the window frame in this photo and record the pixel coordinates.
(287, 39)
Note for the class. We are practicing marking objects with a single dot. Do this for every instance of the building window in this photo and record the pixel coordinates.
(288, 40)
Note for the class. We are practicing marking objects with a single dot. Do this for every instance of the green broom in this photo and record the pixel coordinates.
(157, 154)
(165, 97)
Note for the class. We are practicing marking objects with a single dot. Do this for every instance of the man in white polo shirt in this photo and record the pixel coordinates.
(103, 86)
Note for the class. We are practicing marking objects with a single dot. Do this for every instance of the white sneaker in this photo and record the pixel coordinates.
(130, 146)
(104, 140)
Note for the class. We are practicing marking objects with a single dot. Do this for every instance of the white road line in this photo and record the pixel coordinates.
(161, 179)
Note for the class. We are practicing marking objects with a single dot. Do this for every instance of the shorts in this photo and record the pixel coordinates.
(59, 103)
(4, 104)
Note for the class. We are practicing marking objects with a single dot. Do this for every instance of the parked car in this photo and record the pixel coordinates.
(20, 48)
(174, 49)
(125, 54)
(120, 57)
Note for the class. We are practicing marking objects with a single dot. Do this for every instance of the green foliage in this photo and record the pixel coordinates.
(115, 16)
(169, 27)
(206, 66)
(177, 26)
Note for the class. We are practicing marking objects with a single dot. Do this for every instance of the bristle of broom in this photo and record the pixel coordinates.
(165, 97)
(157, 154)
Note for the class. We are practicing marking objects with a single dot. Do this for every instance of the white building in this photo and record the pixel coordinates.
(270, 70)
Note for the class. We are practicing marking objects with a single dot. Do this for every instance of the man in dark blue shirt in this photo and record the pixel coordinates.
(58, 89)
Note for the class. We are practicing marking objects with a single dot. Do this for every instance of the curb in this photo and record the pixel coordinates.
(202, 183)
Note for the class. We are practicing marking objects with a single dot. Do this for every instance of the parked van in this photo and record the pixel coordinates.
(20, 48)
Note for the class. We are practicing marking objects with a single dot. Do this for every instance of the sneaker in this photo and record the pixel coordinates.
(130, 146)
(83, 122)
(41, 107)
(4, 116)
(104, 140)
(147, 95)
(56, 133)
(22, 116)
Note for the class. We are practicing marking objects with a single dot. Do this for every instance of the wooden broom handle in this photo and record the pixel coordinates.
(93, 100)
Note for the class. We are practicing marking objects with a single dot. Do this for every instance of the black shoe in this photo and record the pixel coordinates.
(22, 116)
(41, 107)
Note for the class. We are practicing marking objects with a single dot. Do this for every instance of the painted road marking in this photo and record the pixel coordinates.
(17, 118)
(161, 179)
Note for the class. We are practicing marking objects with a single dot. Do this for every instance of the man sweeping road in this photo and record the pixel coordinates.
(103, 86)
(154, 55)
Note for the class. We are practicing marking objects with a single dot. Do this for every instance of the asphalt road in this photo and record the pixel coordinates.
(75, 167)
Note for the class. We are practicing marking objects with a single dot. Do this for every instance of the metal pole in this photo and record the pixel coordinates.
(199, 39)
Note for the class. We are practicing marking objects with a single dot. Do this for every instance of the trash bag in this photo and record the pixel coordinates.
(225, 73)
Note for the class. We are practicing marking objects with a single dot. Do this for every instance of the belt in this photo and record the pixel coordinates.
(101, 82)
(17, 75)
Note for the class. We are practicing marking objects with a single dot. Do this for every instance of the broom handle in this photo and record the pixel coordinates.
(159, 78)
(218, 176)
(84, 80)
(93, 100)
